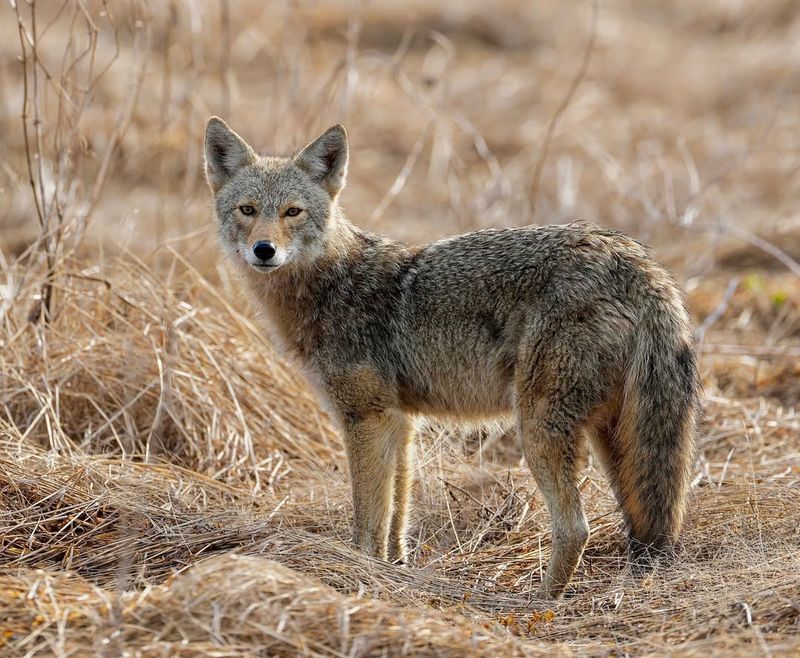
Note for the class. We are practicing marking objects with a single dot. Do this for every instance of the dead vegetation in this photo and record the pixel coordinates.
(168, 486)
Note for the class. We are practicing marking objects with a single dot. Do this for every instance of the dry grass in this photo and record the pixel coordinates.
(169, 486)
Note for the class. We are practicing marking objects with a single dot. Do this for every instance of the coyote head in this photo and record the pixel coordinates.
(274, 211)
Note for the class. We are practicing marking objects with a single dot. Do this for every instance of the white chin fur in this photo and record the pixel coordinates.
(273, 263)
(266, 267)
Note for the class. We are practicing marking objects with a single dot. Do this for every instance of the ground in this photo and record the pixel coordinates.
(169, 484)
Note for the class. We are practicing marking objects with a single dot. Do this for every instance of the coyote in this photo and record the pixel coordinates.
(574, 330)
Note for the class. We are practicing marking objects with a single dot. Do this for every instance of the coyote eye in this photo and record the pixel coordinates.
(293, 212)
(248, 211)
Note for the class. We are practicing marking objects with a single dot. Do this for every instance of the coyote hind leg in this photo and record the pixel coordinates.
(558, 390)
(552, 456)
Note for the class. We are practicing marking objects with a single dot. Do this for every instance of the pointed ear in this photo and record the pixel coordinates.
(226, 153)
(325, 159)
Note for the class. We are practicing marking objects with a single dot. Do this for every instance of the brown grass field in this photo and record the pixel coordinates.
(169, 486)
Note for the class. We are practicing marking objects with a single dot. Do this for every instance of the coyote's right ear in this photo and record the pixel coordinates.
(226, 153)
(325, 159)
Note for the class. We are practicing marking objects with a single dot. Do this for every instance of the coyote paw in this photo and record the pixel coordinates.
(401, 561)
(398, 553)
(549, 590)
(369, 547)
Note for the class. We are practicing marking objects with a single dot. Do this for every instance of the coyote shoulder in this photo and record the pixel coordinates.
(573, 329)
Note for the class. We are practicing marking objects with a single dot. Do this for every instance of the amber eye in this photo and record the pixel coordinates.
(248, 211)
(293, 212)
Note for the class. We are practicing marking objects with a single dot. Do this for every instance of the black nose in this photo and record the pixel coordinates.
(264, 250)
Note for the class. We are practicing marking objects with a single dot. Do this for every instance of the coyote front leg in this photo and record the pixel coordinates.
(403, 482)
(372, 444)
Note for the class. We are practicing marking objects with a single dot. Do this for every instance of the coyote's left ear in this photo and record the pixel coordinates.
(325, 159)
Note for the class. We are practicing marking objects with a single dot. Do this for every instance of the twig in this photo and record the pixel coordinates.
(587, 56)
(760, 243)
(755, 351)
(716, 314)
(402, 177)
(224, 58)
(123, 121)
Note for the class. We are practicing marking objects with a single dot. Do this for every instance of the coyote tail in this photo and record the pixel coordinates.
(657, 429)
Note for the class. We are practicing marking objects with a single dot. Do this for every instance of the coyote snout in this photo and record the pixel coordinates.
(572, 330)
(265, 255)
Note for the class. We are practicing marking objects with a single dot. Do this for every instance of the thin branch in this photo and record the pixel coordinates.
(759, 243)
(402, 178)
(565, 103)
(224, 56)
(123, 121)
(719, 310)
(25, 96)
